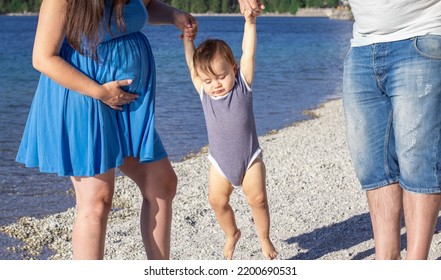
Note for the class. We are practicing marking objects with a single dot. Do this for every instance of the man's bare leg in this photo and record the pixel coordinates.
(386, 207)
(420, 212)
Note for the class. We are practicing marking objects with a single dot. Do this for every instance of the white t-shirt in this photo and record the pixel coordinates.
(391, 20)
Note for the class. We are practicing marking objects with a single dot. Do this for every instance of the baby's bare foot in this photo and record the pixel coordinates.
(269, 252)
(230, 245)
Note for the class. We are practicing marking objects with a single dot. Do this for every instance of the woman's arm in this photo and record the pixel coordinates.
(248, 47)
(46, 59)
(161, 13)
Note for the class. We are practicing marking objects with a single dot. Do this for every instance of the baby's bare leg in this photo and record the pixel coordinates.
(219, 191)
(255, 192)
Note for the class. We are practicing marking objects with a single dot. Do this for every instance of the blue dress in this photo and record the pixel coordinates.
(75, 135)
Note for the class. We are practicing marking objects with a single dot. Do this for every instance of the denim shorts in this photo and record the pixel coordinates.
(392, 104)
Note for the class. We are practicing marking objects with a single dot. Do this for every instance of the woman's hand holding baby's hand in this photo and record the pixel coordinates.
(187, 24)
(191, 31)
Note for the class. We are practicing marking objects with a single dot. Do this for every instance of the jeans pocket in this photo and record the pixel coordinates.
(428, 46)
(348, 57)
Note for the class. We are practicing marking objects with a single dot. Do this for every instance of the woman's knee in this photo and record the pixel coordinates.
(163, 187)
(94, 197)
(98, 208)
(170, 185)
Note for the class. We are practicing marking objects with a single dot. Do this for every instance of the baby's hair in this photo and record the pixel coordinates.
(207, 51)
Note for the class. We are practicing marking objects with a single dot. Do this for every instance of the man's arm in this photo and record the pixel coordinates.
(255, 6)
(248, 47)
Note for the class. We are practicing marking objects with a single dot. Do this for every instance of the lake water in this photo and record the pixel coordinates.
(298, 66)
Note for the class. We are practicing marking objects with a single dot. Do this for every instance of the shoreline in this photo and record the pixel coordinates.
(333, 13)
(317, 208)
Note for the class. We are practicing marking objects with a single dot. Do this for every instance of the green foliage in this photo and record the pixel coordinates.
(194, 6)
(225, 6)
(18, 6)
(283, 6)
(214, 6)
(321, 3)
(181, 4)
(199, 6)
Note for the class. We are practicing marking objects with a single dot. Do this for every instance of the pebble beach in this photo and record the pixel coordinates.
(317, 208)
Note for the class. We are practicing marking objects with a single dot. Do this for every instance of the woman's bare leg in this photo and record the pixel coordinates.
(157, 182)
(93, 203)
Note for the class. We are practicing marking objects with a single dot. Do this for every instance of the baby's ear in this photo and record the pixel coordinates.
(235, 67)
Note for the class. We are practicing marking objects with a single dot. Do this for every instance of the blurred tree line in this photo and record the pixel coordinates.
(232, 6)
(19, 6)
(194, 6)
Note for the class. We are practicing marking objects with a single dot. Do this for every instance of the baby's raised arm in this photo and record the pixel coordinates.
(189, 49)
(248, 47)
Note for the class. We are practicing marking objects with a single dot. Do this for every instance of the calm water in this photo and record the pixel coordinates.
(298, 66)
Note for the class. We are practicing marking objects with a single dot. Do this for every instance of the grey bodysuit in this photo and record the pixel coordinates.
(232, 137)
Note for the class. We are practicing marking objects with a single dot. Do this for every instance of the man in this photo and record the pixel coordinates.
(392, 94)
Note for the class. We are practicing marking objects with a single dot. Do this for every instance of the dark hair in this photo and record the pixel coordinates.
(207, 51)
(83, 19)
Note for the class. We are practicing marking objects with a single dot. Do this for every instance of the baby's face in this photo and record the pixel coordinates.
(222, 82)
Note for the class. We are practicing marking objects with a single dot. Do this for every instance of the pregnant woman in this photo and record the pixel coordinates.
(93, 111)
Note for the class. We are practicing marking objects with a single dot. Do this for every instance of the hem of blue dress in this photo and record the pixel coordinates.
(88, 174)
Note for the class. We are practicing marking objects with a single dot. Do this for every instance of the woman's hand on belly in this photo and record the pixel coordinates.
(113, 96)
